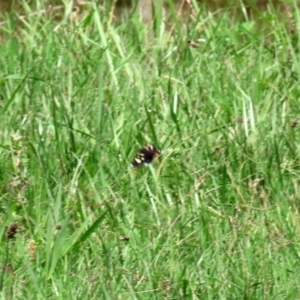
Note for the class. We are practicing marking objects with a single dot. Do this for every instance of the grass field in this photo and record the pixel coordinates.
(216, 216)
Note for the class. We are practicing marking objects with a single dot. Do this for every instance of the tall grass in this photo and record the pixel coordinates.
(215, 217)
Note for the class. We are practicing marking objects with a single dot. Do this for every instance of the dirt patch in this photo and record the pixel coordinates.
(148, 8)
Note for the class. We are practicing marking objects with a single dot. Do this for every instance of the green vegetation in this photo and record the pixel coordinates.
(216, 216)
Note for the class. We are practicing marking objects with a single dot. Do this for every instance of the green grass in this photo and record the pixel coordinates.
(215, 217)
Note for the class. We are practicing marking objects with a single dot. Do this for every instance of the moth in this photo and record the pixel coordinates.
(145, 156)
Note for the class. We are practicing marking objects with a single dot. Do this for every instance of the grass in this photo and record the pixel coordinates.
(215, 217)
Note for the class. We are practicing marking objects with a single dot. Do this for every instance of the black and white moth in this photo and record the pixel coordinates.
(145, 156)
